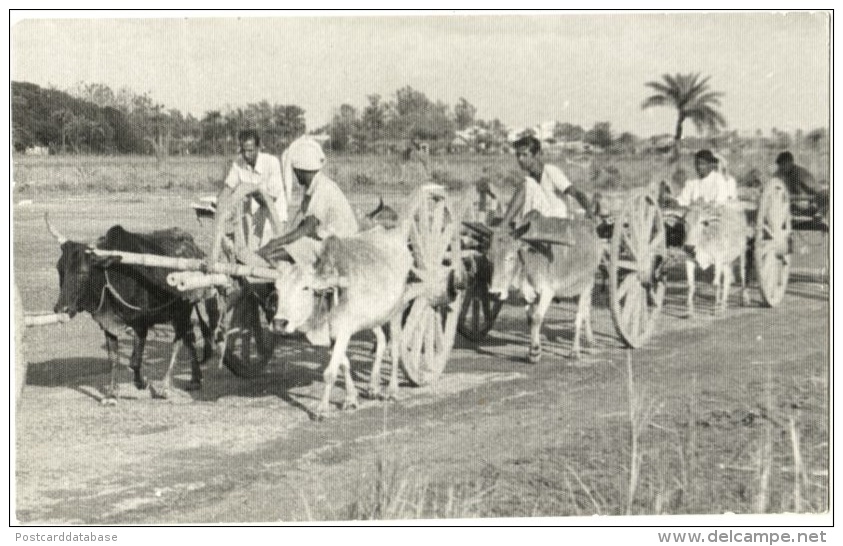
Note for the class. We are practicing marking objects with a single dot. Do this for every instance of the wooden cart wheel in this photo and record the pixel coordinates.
(430, 323)
(771, 247)
(479, 310)
(249, 344)
(636, 269)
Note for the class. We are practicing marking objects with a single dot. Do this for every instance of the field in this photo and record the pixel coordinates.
(714, 415)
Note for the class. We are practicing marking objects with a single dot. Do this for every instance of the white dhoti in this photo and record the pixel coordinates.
(258, 226)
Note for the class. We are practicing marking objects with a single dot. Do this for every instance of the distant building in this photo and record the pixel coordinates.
(37, 150)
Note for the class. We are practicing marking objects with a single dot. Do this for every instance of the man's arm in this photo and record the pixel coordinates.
(516, 205)
(274, 249)
(581, 198)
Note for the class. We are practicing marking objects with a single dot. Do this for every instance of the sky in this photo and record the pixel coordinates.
(773, 68)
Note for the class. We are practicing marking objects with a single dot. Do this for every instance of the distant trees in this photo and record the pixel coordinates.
(693, 100)
(599, 135)
(93, 118)
(406, 117)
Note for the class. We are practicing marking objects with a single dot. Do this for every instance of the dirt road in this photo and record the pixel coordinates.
(551, 439)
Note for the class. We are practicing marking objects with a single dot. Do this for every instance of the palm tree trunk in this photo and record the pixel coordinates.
(677, 137)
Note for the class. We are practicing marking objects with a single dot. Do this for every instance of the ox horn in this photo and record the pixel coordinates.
(379, 208)
(53, 231)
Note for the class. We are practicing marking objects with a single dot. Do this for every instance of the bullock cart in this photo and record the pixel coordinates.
(634, 253)
(432, 298)
(634, 235)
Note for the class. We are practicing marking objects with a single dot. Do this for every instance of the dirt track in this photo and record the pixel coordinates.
(246, 450)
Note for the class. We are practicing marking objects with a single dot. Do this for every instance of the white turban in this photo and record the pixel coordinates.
(304, 154)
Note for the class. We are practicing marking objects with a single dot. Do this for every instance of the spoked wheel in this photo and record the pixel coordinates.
(430, 325)
(636, 269)
(479, 310)
(771, 247)
(249, 344)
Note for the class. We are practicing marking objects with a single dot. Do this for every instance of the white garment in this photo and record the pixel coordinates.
(714, 188)
(266, 174)
(304, 153)
(326, 202)
(546, 197)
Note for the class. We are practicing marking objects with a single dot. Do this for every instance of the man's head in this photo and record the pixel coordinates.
(528, 153)
(784, 162)
(306, 159)
(704, 163)
(250, 143)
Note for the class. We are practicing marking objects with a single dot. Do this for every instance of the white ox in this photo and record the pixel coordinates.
(356, 284)
(544, 272)
(716, 235)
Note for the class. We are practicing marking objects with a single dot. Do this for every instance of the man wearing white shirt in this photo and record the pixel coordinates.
(544, 188)
(711, 186)
(325, 211)
(263, 171)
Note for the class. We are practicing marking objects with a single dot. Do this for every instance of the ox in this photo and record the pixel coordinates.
(120, 296)
(544, 272)
(716, 235)
(356, 284)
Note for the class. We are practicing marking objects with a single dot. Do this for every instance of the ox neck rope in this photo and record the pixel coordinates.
(110, 288)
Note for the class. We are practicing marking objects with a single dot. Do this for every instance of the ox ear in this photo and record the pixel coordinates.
(519, 231)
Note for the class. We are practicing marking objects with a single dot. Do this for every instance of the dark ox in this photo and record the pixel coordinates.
(120, 296)
(544, 272)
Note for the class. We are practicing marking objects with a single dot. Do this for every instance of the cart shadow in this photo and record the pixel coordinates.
(295, 365)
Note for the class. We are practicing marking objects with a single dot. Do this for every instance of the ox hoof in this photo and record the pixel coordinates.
(159, 392)
(194, 386)
(372, 394)
(108, 401)
(745, 301)
(391, 395)
(534, 358)
(141, 384)
(575, 355)
(351, 404)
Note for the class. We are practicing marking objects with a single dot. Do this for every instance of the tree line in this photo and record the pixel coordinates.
(95, 119)
(92, 118)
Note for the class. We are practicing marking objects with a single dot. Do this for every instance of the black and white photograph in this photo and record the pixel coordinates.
(300, 268)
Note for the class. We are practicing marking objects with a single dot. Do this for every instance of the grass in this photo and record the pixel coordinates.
(34, 176)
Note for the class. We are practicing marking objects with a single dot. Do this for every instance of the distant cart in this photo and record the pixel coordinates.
(635, 259)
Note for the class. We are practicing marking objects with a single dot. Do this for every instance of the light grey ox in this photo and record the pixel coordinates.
(716, 235)
(357, 284)
(545, 271)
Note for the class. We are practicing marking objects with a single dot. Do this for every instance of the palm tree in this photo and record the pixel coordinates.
(693, 100)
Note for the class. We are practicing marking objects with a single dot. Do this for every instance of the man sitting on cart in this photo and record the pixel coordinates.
(263, 171)
(807, 196)
(544, 189)
(325, 211)
(711, 186)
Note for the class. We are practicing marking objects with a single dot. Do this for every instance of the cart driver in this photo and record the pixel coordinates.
(324, 211)
(263, 171)
(801, 184)
(544, 189)
(711, 186)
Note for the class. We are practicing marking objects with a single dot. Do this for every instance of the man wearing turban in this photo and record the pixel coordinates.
(324, 211)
